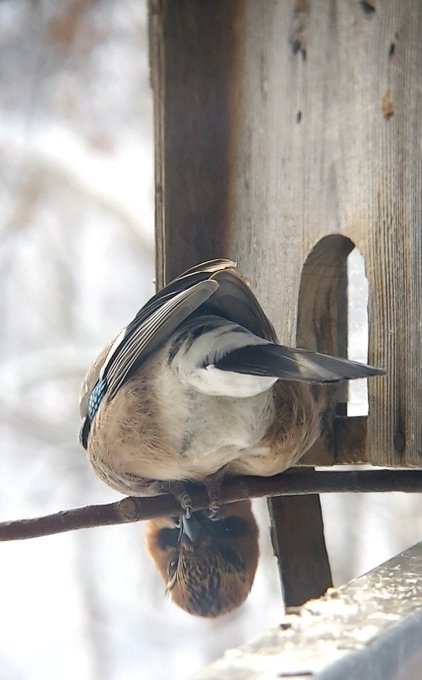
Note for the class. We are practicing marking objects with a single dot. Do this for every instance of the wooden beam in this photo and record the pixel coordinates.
(194, 56)
(297, 534)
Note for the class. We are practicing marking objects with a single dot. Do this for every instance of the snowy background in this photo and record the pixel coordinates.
(76, 262)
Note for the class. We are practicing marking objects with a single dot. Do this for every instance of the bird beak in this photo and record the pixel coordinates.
(190, 528)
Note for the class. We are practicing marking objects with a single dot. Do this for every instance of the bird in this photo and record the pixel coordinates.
(197, 387)
(208, 564)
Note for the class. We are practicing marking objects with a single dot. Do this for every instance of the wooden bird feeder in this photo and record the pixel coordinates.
(287, 134)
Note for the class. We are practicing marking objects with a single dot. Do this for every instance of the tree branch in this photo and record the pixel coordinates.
(290, 483)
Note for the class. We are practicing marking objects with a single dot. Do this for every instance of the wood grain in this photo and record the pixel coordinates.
(287, 132)
(316, 155)
(271, 134)
(297, 545)
(193, 52)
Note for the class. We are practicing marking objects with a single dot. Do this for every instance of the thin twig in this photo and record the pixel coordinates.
(291, 483)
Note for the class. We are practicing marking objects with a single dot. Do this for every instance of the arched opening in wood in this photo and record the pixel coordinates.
(333, 313)
(357, 330)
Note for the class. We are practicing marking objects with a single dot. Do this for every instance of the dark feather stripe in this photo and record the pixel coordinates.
(293, 364)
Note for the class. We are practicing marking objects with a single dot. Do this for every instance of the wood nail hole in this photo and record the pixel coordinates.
(367, 7)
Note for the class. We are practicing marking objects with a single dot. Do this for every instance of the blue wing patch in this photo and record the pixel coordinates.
(96, 396)
(94, 401)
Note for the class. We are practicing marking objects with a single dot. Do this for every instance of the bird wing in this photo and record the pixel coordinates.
(293, 364)
(91, 378)
(189, 278)
(213, 285)
(161, 314)
(147, 332)
(235, 301)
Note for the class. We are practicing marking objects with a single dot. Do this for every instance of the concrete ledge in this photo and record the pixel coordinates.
(369, 629)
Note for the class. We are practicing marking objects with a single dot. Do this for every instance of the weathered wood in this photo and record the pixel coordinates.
(297, 534)
(370, 628)
(343, 441)
(274, 130)
(318, 154)
(193, 48)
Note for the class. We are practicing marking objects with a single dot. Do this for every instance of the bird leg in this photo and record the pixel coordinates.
(178, 490)
(213, 485)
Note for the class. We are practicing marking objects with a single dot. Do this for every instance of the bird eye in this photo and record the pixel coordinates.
(172, 566)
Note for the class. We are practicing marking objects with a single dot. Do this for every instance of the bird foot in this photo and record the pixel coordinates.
(213, 508)
(213, 485)
(178, 490)
(185, 503)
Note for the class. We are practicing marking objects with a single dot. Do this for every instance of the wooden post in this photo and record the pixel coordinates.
(194, 61)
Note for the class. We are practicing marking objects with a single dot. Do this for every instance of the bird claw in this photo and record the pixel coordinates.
(213, 508)
(178, 490)
(213, 485)
(186, 505)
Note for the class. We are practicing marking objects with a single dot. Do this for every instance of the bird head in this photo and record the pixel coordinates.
(208, 565)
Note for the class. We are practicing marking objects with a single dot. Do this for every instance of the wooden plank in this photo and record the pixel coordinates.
(297, 534)
(193, 51)
(370, 628)
(328, 128)
(343, 441)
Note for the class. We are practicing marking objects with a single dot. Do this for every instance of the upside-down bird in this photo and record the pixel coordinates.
(197, 386)
(208, 565)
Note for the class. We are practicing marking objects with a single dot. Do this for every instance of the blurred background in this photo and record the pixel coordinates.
(76, 263)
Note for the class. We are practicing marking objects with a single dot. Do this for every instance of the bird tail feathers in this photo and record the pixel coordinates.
(287, 363)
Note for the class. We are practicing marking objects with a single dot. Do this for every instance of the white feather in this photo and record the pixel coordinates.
(194, 363)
